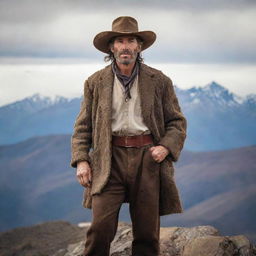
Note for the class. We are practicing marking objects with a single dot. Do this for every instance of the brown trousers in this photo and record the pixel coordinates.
(134, 177)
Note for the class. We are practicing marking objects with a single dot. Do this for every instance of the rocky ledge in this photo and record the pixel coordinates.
(60, 238)
(177, 241)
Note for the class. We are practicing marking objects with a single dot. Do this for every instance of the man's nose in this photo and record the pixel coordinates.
(125, 45)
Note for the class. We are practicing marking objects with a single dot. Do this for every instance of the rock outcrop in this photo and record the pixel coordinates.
(178, 241)
(59, 238)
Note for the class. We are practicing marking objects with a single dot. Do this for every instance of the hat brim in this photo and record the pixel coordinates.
(102, 39)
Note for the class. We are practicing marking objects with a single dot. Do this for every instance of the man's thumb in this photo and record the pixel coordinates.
(90, 176)
(151, 149)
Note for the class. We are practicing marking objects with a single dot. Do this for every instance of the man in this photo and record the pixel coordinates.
(129, 131)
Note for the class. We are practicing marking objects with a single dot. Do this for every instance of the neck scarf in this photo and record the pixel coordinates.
(126, 81)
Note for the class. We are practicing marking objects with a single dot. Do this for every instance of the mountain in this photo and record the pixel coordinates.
(217, 118)
(36, 115)
(36, 184)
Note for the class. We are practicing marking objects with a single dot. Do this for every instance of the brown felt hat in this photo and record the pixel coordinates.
(123, 26)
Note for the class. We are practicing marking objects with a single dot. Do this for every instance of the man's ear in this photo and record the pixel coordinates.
(111, 47)
(139, 47)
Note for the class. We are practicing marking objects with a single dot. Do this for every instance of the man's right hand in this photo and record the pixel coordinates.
(84, 174)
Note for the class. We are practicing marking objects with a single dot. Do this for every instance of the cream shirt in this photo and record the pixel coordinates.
(126, 115)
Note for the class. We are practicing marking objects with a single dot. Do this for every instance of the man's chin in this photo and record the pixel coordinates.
(125, 62)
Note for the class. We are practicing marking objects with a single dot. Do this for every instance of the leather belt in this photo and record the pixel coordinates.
(132, 141)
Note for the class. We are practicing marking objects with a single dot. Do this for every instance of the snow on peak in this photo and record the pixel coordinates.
(39, 98)
(215, 93)
(250, 98)
(214, 87)
(35, 102)
(47, 100)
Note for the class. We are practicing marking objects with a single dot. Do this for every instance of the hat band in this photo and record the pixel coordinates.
(126, 32)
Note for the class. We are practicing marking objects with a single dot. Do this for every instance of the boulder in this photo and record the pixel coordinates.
(178, 241)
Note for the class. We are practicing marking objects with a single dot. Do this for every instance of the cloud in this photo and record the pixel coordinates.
(22, 78)
(47, 10)
(188, 31)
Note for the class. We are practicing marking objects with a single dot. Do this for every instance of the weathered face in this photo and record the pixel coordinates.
(125, 49)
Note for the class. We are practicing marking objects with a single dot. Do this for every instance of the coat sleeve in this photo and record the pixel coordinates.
(82, 136)
(175, 122)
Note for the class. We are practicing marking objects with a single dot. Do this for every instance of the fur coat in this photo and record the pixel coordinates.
(91, 139)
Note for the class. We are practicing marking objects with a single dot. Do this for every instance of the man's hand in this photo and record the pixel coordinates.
(84, 174)
(159, 153)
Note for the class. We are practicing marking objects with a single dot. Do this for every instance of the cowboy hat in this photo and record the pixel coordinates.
(123, 26)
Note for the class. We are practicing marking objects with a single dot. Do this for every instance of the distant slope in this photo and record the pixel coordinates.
(217, 118)
(218, 188)
(37, 184)
(42, 239)
(233, 212)
(210, 173)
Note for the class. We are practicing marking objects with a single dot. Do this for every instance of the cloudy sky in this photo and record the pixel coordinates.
(46, 46)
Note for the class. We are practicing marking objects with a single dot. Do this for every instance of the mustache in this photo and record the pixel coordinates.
(126, 51)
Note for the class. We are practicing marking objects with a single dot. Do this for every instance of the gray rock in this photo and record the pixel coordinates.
(243, 245)
(60, 252)
(72, 250)
(122, 243)
(177, 241)
(173, 240)
(209, 246)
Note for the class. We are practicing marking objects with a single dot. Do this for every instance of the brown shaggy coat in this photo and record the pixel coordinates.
(161, 113)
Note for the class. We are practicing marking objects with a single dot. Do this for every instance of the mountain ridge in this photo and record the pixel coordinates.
(217, 119)
(210, 87)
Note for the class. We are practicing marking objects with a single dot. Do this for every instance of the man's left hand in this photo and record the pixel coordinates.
(159, 153)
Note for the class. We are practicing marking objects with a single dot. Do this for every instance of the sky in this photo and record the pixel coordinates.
(46, 46)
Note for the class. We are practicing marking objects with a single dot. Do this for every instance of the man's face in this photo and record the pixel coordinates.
(125, 49)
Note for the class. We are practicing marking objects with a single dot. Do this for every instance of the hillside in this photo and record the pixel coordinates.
(41, 240)
(37, 184)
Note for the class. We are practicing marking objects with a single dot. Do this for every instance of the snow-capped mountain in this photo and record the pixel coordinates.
(212, 94)
(33, 103)
(217, 118)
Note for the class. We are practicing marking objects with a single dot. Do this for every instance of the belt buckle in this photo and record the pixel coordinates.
(126, 140)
